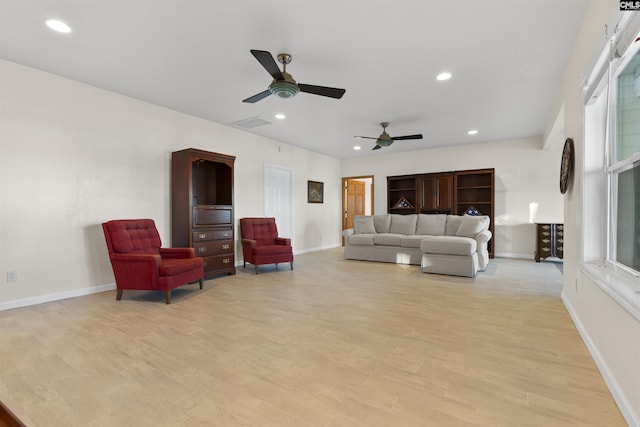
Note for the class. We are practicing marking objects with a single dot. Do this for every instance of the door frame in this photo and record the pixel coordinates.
(343, 211)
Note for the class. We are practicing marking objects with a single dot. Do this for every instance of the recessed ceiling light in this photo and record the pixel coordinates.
(356, 147)
(280, 116)
(58, 26)
(443, 76)
(472, 132)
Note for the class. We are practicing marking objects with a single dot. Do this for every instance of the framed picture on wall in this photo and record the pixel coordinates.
(315, 192)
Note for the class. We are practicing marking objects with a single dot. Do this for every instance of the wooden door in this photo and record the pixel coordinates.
(354, 197)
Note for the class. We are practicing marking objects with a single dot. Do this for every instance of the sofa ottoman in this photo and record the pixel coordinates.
(451, 255)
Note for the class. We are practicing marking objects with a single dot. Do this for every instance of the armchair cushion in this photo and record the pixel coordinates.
(173, 266)
(134, 236)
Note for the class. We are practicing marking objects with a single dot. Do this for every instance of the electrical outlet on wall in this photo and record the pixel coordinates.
(12, 276)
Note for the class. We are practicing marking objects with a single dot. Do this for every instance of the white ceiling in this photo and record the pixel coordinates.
(507, 58)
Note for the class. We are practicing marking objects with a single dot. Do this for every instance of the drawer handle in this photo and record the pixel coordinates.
(225, 260)
(546, 249)
(561, 249)
(545, 240)
(546, 233)
(560, 241)
(202, 236)
(204, 264)
(226, 234)
(203, 249)
(545, 227)
(225, 246)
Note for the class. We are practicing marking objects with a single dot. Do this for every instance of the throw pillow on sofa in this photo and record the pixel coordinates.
(403, 224)
(363, 225)
(472, 225)
(453, 223)
(382, 222)
(431, 224)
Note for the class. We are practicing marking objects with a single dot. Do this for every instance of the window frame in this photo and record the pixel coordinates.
(600, 125)
(614, 166)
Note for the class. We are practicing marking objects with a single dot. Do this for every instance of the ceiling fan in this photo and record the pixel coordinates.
(283, 85)
(385, 140)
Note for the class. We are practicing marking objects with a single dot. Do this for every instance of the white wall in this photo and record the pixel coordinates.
(524, 174)
(610, 332)
(73, 156)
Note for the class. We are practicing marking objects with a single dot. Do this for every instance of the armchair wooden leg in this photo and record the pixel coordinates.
(200, 283)
(118, 294)
(244, 264)
(291, 264)
(256, 265)
(167, 297)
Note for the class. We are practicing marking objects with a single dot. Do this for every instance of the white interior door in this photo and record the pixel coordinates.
(278, 197)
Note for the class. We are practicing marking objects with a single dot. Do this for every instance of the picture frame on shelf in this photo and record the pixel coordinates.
(315, 192)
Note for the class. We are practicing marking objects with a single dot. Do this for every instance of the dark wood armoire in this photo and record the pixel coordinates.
(202, 207)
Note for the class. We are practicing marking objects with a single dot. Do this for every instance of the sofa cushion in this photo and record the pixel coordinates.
(449, 245)
(431, 224)
(453, 223)
(361, 239)
(412, 241)
(363, 224)
(382, 223)
(403, 224)
(388, 239)
(472, 225)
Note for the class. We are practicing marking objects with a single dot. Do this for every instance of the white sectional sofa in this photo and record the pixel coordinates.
(443, 244)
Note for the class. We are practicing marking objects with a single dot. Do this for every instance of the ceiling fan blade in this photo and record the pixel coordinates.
(266, 60)
(366, 137)
(257, 97)
(377, 147)
(400, 138)
(331, 92)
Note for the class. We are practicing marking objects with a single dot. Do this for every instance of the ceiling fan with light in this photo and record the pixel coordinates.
(283, 85)
(385, 140)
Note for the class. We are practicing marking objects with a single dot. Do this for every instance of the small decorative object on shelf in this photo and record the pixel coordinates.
(403, 203)
(471, 210)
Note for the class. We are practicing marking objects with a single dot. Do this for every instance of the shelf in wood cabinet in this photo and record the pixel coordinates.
(473, 187)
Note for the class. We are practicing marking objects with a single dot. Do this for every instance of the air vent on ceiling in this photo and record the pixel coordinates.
(251, 122)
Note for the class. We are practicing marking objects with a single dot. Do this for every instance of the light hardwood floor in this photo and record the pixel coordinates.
(331, 343)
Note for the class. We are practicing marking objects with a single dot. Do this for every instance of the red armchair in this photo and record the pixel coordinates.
(261, 244)
(139, 262)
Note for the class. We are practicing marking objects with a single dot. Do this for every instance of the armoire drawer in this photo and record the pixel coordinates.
(217, 247)
(218, 262)
(211, 215)
(217, 234)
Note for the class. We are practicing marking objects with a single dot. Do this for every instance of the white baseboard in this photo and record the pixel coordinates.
(618, 395)
(510, 255)
(24, 302)
(320, 248)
